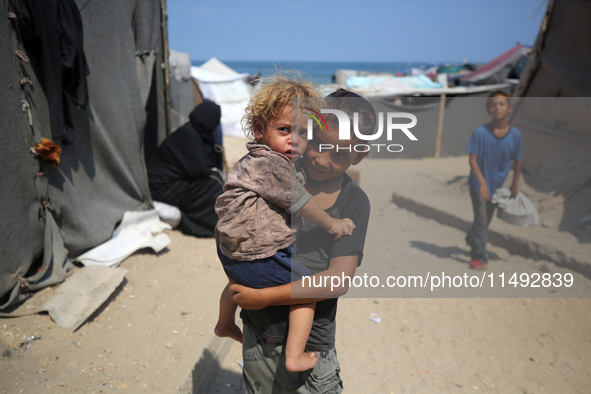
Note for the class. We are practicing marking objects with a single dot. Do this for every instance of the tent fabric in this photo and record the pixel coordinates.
(181, 89)
(364, 82)
(556, 141)
(552, 111)
(179, 65)
(137, 230)
(462, 115)
(497, 70)
(207, 76)
(24, 117)
(214, 65)
(399, 83)
(109, 157)
(555, 89)
(182, 102)
(228, 89)
(52, 214)
(561, 59)
(52, 34)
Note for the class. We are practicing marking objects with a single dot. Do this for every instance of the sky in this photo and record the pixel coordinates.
(370, 31)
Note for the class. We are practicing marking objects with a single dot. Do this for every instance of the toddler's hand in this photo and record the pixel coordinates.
(342, 227)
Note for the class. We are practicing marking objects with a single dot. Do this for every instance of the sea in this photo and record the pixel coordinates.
(320, 72)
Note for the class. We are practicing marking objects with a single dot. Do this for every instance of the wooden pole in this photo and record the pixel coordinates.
(164, 13)
(439, 126)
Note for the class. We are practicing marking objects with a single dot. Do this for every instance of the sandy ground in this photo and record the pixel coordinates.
(150, 335)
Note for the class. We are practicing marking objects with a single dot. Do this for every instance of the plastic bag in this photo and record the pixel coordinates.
(519, 210)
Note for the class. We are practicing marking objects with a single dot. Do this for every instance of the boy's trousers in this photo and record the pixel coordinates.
(478, 232)
(264, 369)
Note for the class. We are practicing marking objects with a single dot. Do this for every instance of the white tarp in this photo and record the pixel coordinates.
(179, 64)
(217, 67)
(229, 90)
(137, 230)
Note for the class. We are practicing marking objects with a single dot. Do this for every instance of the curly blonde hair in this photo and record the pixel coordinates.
(273, 95)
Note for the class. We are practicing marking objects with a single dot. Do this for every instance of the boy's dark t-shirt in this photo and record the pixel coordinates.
(315, 248)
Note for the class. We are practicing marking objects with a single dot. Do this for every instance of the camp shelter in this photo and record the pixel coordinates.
(464, 110)
(462, 114)
(499, 69)
(559, 64)
(52, 214)
(553, 111)
(226, 87)
(184, 93)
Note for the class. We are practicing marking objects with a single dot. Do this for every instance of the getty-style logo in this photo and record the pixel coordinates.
(392, 124)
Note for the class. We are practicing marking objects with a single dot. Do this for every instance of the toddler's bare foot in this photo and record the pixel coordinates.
(300, 363)
(226, 331)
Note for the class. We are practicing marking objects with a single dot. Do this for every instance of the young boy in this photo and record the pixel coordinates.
(254, 228)
(264, 313)
(492, 148)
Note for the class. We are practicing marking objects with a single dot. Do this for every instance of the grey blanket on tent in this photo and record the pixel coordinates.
(51, 213)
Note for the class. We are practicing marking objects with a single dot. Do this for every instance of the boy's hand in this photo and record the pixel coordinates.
(342, 227)
(484, 192)
(514, 190)
(247, 297)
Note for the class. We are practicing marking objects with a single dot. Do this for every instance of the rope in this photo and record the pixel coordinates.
(27, 108)
(44, 204)
(21, 55)
(26, 81)
(23, 282)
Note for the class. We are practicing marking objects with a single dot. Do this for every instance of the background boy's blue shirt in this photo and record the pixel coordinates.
(494, 156)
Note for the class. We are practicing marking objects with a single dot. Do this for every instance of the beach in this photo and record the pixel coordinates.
(91, 92)
(320, 72)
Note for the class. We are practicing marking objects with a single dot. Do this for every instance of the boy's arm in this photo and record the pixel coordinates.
(484, 192)
(313, 212)
(516, 175)
(271, 186)
(253, 299)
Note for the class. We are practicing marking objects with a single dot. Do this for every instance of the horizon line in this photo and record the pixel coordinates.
(342, 61)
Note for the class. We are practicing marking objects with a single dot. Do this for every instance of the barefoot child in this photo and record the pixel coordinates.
(254, 230)
(265, 311)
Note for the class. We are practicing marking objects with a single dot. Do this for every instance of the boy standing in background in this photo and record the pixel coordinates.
(492, 148)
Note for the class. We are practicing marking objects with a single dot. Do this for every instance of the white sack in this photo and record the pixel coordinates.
(519, 210)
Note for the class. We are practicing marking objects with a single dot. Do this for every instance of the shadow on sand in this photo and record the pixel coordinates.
(452, 252)
(208, 375)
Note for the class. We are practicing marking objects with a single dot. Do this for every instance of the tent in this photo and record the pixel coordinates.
(184, 94)
(498, 69)
(462, 114)
(552, 111)
(50, 215)
(561, 56)
(226, 87)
